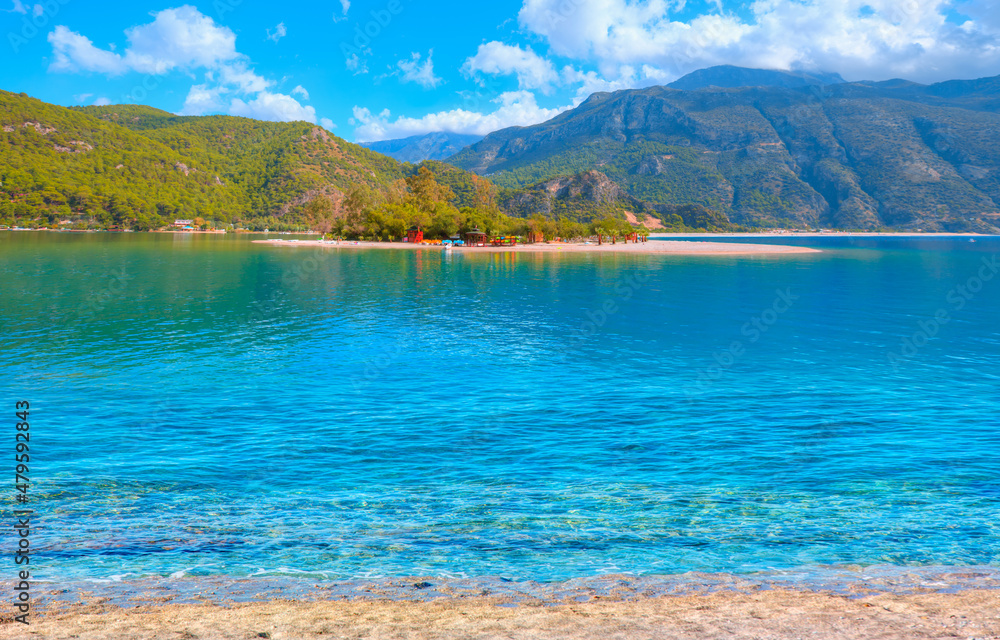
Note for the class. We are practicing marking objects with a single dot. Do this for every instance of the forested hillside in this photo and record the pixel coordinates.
(134, 167)
(138, 167)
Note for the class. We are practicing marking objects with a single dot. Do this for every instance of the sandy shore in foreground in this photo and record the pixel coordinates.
(680, 248)
(764, 615)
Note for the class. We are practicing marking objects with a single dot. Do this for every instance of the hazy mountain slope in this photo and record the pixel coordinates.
(432, 146)
(728, 76)
(849, 155)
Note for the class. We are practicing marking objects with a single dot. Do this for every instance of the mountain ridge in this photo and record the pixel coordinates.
(853, 155)
(731, 77)
(847, 155)
(430, 146)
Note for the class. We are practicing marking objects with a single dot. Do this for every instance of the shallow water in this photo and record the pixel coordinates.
(203, 406)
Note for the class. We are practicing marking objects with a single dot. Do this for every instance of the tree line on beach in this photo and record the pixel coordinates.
(422, 201)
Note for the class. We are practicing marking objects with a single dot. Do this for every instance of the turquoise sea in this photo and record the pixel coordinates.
(204, 407)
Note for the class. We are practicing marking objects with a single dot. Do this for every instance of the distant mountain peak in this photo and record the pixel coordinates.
(731, 77)
(436, 145)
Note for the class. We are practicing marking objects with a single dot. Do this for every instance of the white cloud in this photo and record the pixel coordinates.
(423, 74)
(273, 106)
(183, 39)
(496, 58)
(626, 78)
(101, 102)
(654, 75)
(327, 124)
(356, 64)
(18, 8)
(345, 5)
(862, 39)
(300, 91)
(243, 79)
(74, 52)
(37, 10)
(516, 108)
(986, 14)
(203, 99)
(179, 38)
(83, 97)
(279, 32)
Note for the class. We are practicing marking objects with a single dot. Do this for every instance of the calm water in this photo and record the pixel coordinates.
(202, 406)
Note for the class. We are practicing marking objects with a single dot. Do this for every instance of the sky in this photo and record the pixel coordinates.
(382, 69)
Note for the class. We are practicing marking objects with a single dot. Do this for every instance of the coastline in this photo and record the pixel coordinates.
(680, 248)
(772, 614)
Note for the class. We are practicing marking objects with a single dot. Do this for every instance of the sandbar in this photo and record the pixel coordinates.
(665, 247)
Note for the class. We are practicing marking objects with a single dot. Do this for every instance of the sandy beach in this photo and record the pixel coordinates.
(680, 247)
(766, 615)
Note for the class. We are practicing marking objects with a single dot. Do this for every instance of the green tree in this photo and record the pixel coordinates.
(319, 214)
(425, 191)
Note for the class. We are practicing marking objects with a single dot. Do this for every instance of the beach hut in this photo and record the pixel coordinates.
(475, 238)
(414, 234)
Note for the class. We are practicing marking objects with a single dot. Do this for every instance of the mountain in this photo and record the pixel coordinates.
(432, 146)
(728, 76)
(139, 168)
(135, 166)
(864, 155)
(852, 155)
(591, 195)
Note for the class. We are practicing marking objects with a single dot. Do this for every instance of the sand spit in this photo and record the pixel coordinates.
(666, 247)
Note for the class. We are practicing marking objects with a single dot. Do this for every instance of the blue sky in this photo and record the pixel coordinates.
(378, 69)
